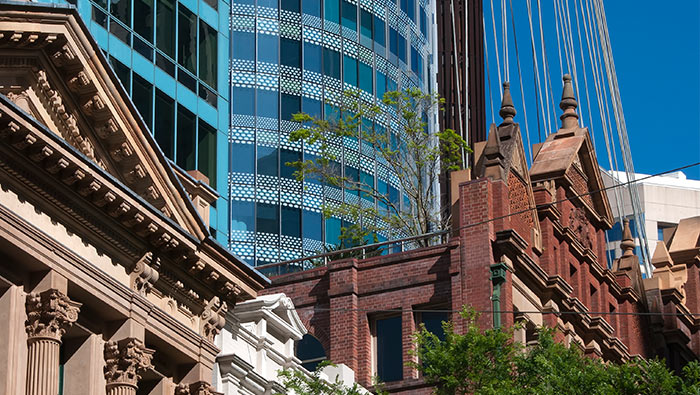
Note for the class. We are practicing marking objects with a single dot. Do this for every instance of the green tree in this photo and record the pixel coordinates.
(490, 362)
(300, 383)
(412, 153)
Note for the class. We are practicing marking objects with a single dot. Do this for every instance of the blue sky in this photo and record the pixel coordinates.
(656, 50)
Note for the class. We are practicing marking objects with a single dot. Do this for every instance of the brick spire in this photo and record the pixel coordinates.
(507, 111)
(627, 245)
(568, 104)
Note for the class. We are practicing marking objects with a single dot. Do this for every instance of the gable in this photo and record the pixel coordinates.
(52, 69)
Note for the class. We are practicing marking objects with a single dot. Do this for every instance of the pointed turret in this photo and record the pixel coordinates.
(627, 245)
(568, 104)
(507, 111)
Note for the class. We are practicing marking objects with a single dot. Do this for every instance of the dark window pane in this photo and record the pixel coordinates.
(290, 5)
(423, 22)
(186, 132)
(99, 17)
(393, 42)
(402, 48)
(389, 349)
(411, 10)
(243, 156)
(331, 10)
(312, 57)
(144, 49)
(207, 54)
(312, 225)
(267, 3)
(164, 128)
(310, 351)
(330, 112)
(381, 85)
(379, 32)
(311, 107)
(290, 52)
(267, 48)
(243, 216)
(143, 23)
(187, 40)
(101, 3)
(267, 104)
(165, 20)
(244, 45)
(267, 161)
(366, 79)
(165, 64)
(267, 218)
(433, 323)
(187, 80)
(290, 105)
(391, 85)
(333, 231)
(121, 9)
(350, 70)
(368, 183)
(331, 63)
(366, 28)
(120, 32)
(206, 152)
(208, 95)
(142, 97)
(122, 72)
(349, 15)
(312, 7)
(291, 221)
(353, 175)
(243, 101)
(288, 156)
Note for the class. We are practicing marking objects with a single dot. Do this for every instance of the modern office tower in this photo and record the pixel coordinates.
(300, 55)
(172, 58)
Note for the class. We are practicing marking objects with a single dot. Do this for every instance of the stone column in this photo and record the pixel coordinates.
(49, 314)
(125, 360)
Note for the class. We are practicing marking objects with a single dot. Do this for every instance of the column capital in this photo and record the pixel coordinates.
(49, 314)
(198, 388)
(125, 360)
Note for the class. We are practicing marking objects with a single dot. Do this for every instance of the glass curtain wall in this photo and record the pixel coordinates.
(300, 55)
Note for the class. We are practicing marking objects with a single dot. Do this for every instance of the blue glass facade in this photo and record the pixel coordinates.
(300, 55)
(172, 58)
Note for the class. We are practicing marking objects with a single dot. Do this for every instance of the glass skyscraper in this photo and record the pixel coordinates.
(172, 58)
(300, 55)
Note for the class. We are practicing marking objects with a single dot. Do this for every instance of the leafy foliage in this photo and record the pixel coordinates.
(490, 362)
(412, 153)
(298, 382)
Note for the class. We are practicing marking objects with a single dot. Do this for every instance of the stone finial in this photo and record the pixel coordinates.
(50, 314)
(627, 245)
(125, 360)
(568, 104)
(507, 111)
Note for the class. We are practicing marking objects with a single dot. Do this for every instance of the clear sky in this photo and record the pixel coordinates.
(656, 46)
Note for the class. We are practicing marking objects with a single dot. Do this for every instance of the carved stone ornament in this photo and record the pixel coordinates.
(213, 318)
(198, 388)
(145, 273)
(578, 223)
(50, 314)
(125, 360)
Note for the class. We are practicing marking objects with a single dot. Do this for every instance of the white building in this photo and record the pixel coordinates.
(665, 200)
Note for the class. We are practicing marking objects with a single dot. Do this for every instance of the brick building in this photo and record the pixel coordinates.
(543, 266)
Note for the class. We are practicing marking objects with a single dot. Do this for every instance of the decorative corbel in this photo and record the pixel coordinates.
(144, 273)
(213, 318)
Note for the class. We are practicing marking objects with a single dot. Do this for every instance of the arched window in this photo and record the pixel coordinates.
(310, 351)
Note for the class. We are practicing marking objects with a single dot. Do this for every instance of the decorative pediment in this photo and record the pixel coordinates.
(52, 69)
(567, 157)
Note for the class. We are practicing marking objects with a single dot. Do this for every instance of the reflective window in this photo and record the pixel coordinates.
(250, 2)
(288, 156)
(267, 103)
(411, 10)
(311, 179)
(394, 196)
(349, 15)
(349, 70)
(243, 101)
(206, 152)
(290, 5)
(423, 22)
(99, 16)
(267, 48)
(122, 71)
(388, 349)
(142, 96)
(366, 80)
(291, 221)
(291, 105)
(353, 175)
(366, 28)
(368, 180)
(187, 40)
(267, 161)
(312, 225)
(244, 155)
(165, 20)
(393, 43)
(331, 10)
(332, 231)
(312, 7)
(402, 48)
(312, 57)
(164, 127)
(267, 218)
(379, 34)
(310, 351)
(143, 23)
(267, 3)
(244, 45)
(416, 62)
(331, 63)
(186, 132)
(391, 85)
(207, 54)
(121, 9)
(381, 84)
(243, 215)
(290, 52)
(311, 107)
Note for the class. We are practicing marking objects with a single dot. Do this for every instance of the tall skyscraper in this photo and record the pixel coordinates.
(300, 55)
(172, 58)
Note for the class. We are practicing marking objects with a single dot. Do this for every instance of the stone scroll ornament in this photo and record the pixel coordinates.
(125, 360)
(50, 314)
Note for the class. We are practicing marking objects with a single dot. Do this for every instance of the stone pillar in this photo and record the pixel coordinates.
(49, 314)
(125, 360)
